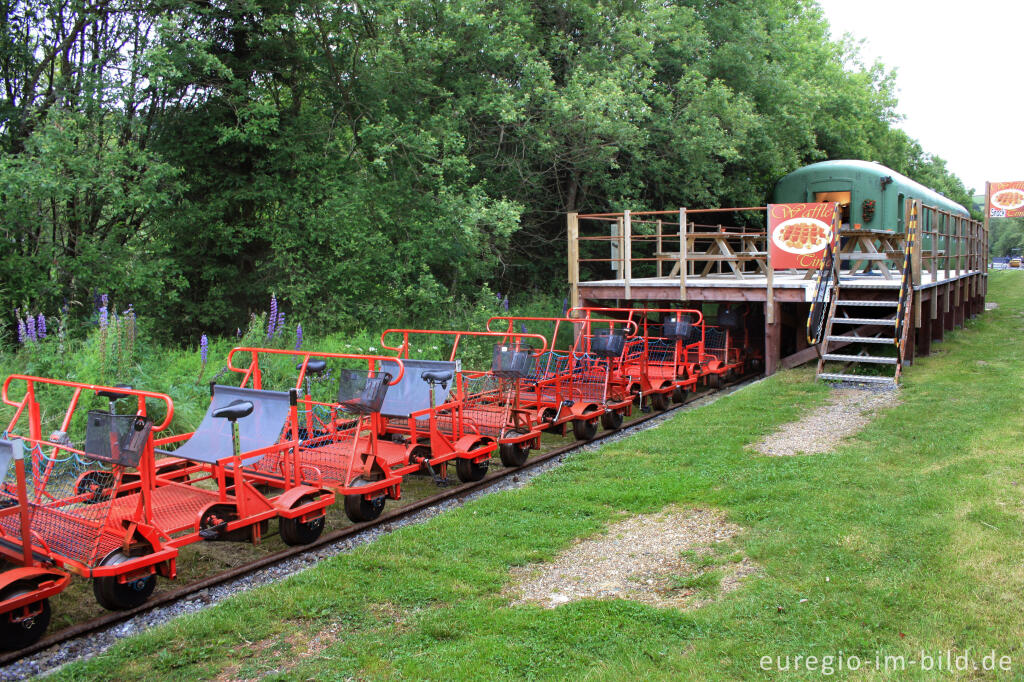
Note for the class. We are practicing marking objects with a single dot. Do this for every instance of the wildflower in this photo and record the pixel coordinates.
(522, 325)
(22, 332)
(238, 332)
(41, 326)
(279, 328)
(103, 312)
(504, 304)
(565, 306)
(499, 298)
(204, 348)
(30, 326)
(298, 336)
(272, 318)
(373, 349)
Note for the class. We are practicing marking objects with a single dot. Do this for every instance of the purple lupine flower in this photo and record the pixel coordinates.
(30, 328)
(565, 306)
(504, 304)
(22, 332)
(522, 325)
(499, 298)
(204, 348)
(238, 332)
(298, 336)
(103, 312)
(272, 318)
(41, 326)
(279, 327)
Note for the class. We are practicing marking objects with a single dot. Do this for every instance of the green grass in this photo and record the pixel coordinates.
(916, 523)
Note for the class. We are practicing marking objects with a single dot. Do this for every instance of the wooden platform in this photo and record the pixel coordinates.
(786, 287)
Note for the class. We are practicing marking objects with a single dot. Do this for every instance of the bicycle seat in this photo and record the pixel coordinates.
(234, 410)
(313, 367)
(437, 377)
(114, 395)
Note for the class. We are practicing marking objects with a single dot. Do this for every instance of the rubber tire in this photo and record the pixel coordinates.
(715, 381)
(15, 636)
(513, 454)
(469, 471)
(115, 596)
(681, 396)
(659, 401)
(295, 532)
(611, 420)
(584, 429)
(358, 509)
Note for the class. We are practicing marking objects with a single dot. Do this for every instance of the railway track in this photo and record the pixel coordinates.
(456, 493)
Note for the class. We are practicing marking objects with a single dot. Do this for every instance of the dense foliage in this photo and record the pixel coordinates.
(385, 163)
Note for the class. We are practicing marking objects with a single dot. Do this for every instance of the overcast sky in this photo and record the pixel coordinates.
(960, 76)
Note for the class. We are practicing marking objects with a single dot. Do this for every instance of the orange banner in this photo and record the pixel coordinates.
(1006, 200)
(799, 233)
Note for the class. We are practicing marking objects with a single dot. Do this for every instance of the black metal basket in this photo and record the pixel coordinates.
(509, 362)
(608, 343)
(360, 393)
(677, 327)
(116, 438)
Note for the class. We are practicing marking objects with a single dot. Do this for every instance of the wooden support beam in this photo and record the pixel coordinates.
(924, 337)
(772, 339)
(573, 231)
(683, 264)
(627, 257)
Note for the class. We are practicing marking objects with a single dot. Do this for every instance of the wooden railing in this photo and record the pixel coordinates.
(681, 243)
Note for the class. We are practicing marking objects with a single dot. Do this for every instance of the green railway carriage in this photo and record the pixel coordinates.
(872, 196)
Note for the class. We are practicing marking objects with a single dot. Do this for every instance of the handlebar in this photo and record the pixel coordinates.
(30, 381)
(458, 337)
(306, 356)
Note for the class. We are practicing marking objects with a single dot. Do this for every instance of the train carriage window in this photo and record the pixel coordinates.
(844, 199)
(900, 208)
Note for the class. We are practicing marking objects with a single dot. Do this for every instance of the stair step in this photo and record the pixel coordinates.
(885, 322)
(876, 359)
(871, 304)
(857, 378)
(863, 339)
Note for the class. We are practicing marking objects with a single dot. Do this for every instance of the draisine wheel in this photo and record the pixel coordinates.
(359, 509)
(117, 596)
(18, 634)
(295, 532)
(611, 420)
(514, 454)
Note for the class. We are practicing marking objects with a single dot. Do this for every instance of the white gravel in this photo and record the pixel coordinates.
(96, 643)
(820, 431)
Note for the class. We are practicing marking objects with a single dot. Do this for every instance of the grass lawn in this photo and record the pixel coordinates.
(916, 523)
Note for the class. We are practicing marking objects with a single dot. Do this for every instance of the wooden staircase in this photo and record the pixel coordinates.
(868, 322)
(862, 324)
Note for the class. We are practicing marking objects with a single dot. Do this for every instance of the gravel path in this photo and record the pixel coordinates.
(96, 643)
(820, 431)
(640, 558)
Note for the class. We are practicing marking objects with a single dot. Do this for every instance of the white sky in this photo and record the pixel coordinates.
(959, 73)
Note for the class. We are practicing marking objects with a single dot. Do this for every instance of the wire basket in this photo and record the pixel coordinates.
(677, 327)
(116, 438)
(360, 393)
(511, 363)
(608, 343)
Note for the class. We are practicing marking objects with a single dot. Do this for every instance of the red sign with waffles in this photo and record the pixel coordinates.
(799, 233)
(1006, 200)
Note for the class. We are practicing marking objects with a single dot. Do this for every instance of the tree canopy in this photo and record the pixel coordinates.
(379, 161)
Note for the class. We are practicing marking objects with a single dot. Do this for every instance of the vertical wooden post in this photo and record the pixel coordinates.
(573, 231)
(683, 264)
(916, 242)
(627, 253)
(658, 250)
(769, 311)
(935, 252)
(772, 338)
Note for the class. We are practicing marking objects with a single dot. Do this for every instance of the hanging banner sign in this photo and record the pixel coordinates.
(1006, 200)
(799, 233)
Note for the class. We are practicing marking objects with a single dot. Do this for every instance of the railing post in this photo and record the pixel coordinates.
(658, 250)
(683, 267)
(627, 256)
(915, 260)
(573, 232)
